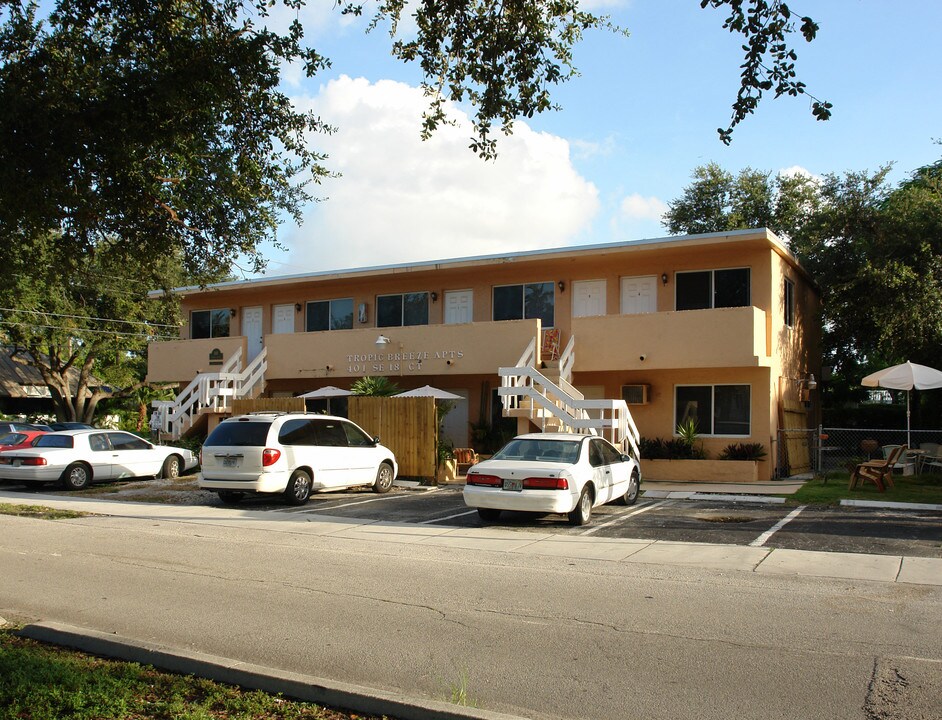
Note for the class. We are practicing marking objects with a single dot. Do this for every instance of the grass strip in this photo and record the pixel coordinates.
(46, 682)
(39, 511)
(832, 488)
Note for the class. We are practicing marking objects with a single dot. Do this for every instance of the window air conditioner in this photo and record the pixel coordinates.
(636, 394)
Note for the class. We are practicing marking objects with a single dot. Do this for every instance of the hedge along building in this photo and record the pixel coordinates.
(720, 327)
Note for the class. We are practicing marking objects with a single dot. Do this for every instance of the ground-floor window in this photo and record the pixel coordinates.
(716, 409)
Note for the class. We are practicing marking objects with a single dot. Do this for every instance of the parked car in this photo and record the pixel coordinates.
(8, 427)
(76, 458)
(552, 473)
(19, 440)
(292, 454)
(59, 426)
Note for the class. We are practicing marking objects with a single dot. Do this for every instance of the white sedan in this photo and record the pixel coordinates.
(76, 458)
(552, 473)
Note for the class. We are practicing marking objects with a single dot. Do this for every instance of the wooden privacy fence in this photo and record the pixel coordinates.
(276, 404)
(793, 419)
(407, 426)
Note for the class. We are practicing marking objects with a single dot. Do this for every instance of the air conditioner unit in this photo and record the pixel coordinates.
(636, 394)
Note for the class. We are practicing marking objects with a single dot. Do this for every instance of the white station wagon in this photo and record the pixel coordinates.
(75, 458)
(292, 454)
(552, 473)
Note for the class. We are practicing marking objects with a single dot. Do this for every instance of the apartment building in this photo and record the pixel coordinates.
(721, 327)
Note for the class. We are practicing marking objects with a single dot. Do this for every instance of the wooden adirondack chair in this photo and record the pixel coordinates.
(879, 472)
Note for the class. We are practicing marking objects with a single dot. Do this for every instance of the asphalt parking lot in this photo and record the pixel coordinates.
(910, 532)
(916, 533)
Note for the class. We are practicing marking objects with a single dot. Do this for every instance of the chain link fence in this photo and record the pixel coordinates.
(823, 450)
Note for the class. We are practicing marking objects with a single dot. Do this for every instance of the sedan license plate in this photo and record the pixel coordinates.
(513, 484)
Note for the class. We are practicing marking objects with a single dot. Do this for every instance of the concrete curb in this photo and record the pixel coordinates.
(717, 497)
(891, 505)
(302, 687)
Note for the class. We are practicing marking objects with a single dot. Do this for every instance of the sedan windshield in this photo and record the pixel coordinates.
(563, 451)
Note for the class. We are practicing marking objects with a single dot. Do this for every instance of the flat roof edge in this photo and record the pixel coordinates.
(564, 251)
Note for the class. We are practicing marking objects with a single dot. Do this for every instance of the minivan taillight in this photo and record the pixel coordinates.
(270, 456)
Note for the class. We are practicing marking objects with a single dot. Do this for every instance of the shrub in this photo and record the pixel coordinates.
(743, 451)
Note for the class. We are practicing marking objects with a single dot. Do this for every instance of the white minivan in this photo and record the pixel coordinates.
(292, 454)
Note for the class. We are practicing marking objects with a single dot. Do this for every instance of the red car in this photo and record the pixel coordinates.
(19, 440)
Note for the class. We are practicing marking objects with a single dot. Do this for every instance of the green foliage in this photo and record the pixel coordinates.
(743, 451)
(83, 318)
(769, 62)
(158, 126)
(830, 490)
(44, 682)
(374, 386)
(672, 449)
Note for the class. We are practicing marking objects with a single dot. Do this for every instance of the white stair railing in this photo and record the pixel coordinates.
(574, 413)
(211, 391)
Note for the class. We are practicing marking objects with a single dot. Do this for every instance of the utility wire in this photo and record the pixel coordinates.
(88, 317)
(92, 330)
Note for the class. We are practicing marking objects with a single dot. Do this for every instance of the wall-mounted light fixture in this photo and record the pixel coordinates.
(434, 296)
(382, 340)
(809, 382)
(664, 278)
(562, 286)
(297, 307)
(234, 311)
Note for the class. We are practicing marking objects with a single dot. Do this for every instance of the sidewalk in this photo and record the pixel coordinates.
(759, 560)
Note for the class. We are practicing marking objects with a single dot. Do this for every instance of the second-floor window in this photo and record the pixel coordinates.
(705, 289)
(209, 323)
(402, 309)
(526, 302)
(789, 303)
(329, 315)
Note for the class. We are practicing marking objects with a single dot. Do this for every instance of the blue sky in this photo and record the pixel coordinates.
(642, 115)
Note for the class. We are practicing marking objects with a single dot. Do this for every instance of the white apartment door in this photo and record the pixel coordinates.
(455, 424)
(638, 295)
(458, 307)
(588, 298)
(282, 319)
(252, 330)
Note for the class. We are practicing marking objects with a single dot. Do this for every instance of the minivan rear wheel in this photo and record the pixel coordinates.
(384, 478)
(299, 488)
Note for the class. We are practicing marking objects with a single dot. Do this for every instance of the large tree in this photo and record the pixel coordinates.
(84, 321)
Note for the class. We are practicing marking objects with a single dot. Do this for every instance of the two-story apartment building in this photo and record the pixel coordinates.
(722, 327)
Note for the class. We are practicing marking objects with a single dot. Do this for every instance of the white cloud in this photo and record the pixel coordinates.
(401, 199)
(637, 207)
(798, 170)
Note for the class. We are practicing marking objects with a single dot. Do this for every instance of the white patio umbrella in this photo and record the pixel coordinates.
(905, 377)
(429, 391)
(326, 392)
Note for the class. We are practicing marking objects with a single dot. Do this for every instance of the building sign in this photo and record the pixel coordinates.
(397, 361)
(215, 356)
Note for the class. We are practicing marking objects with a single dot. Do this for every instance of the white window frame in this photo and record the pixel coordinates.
(712, 387)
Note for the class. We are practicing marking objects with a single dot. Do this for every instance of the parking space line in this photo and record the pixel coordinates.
(764, 537)
(449, 517)
(636, 511)
(307, 508)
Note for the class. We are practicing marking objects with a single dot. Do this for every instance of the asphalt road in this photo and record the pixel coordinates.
(539, 637)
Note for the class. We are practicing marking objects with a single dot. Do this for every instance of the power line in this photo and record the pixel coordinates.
(88, 317)
(91, 330)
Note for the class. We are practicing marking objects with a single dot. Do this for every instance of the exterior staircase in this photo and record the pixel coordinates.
(546, 397)
(210, 393)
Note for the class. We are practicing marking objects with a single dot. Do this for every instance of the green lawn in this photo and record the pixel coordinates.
(830, 490)
(44, 682)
